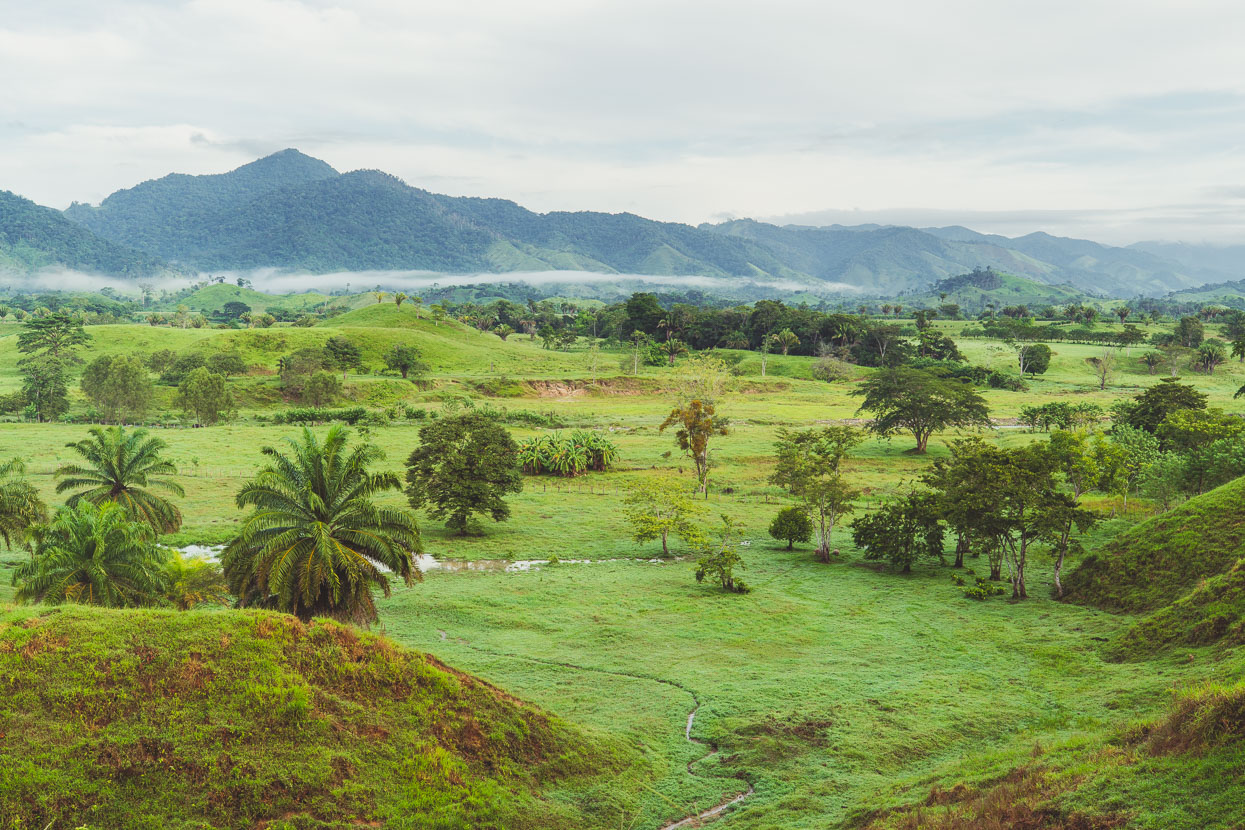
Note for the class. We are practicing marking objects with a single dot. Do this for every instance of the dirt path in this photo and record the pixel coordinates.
(693, 820)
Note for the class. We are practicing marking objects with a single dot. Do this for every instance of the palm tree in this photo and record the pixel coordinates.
(119, 465)
(20, 505)
(193, 581)
(398, 298)
(316, 544)
(93, 555)
(380, 296)
(785, 339)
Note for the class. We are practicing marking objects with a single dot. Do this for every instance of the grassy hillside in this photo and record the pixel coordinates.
(212, 298)
(233, 720)
(1161, 559)
(1212, 612)
(1001, 289)
(1179, 770)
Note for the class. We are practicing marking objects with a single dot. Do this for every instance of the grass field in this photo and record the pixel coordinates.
(835, 690)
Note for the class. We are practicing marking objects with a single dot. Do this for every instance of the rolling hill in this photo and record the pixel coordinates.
(241, 719)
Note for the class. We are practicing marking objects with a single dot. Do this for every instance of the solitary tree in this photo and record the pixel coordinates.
(119, 385)
(920, 403)
(342, 354)
(205, 396)
(901, 531)
(1154, 404)
(398, 298)
(792, 524)
(808, 467)
(785, 340)
(92, 555)
(659, 508)
(119, 466)
(406, 359)
(719, 559)
(1034, 358)
(315, 542)
(697, 422)
(465, 464)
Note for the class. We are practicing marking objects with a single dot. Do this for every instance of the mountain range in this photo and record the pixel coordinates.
(294, 212)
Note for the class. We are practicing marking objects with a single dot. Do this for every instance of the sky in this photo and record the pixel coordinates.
(1108, 120)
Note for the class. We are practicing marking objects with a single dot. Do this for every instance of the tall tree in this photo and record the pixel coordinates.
(119, 466)
(341, 353)
(93, 555)
(119, 385)
(205, 395)
(659, 508)
(405, 358)
(901, 531)
(697, 422)
(808, 467)
(316, 543)
(464, 464)
(920, 403)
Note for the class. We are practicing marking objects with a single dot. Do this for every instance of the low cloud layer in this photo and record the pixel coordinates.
(274, 281)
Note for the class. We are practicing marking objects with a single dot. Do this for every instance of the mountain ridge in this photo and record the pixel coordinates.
(294, 212)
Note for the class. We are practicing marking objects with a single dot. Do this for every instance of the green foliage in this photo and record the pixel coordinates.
(1164, 397)
(1060, 415)
(193, 581)
(342, 353)
(316, 543)
(1034, 358)
(1213, 612)
(465, 464)
(93, 555)
(311, 415)
(983, 589)
(119, 386)
(916, 401)
(20, 505)
(36, 237)
(45, 387)
(321, 388)
(791, 525)
(406, 359)
(226, 364)
(658, 508)
(902, 531)
(180, 367)
(808, 468)
(206, 396)
(697, 422)
(49, 342)
(717, 560)
(567, 455)
(119, 465)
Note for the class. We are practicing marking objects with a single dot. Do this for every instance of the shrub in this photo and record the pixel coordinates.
(315, 415)
(569, 455)
(791, 525)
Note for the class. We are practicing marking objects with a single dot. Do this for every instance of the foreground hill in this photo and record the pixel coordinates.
(1161, 559)
(129, 719)
(34, 237)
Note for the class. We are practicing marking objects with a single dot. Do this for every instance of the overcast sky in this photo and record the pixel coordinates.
(1111, 120)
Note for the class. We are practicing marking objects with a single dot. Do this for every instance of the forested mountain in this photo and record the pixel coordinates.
(33, 237)
(890, 259)
(291, 211)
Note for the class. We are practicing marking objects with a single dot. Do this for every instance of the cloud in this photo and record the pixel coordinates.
(680, 111)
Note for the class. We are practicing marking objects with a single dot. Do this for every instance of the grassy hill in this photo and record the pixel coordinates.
(974, 291)
(212, 298)
(129, 719)
(1213, 612)
(1158, 561)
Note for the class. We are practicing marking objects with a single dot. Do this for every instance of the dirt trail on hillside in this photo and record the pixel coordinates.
(693, 820)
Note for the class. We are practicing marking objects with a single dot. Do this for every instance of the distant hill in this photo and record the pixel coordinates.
(291, 211)
(891, 259)
(34, 237)
(974, 290)
(201, 719)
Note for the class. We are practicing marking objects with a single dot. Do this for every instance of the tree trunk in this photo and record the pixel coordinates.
(665, 550)
(790, 544)
(961, 545)
(922, 439)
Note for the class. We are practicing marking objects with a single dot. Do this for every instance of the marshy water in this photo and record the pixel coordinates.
(426, 562)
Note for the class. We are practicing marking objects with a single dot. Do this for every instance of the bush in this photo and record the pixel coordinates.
(569, 455)
(983, 589)
(791, 525)
(316, 415)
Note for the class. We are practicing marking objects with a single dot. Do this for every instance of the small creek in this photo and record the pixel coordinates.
(426, 562)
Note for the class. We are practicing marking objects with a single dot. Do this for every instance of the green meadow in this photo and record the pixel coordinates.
(841, 693)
